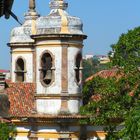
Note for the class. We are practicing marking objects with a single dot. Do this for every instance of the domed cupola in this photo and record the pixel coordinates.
(59, 21)
(22, 34)
(23, 49)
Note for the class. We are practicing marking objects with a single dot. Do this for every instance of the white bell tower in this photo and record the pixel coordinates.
(58, 44)
(46, 54)
(47, 51)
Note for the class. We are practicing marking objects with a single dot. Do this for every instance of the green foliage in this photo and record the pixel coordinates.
(106, 99)
(113, 100)
(131, 130)
(127, 50)
(91, 66)
(7, 131)
(112, 132)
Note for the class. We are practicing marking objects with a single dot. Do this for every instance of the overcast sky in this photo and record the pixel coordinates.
(104, 21)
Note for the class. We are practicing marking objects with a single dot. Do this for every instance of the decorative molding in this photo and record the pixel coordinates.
(22, 52)
(58, 96)
(59, 36)
(53, 44)
(20, 44)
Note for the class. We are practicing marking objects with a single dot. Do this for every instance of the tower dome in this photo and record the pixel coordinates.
(59, 21)
(22, 34)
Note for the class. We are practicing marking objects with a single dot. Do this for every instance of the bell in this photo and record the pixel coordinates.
(48, 75)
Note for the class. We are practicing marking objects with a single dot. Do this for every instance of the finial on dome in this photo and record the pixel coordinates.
(32, 5)
(31, 14)
(58, 4)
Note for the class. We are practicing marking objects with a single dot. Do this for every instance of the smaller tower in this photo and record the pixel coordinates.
(22, 48)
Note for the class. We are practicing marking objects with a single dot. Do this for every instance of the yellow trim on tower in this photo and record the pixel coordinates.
(33, 29)
(64, 24)
(22, 133)
(21, 52)
(59, 45)
(100, 134)
(33, 24)
(49, 134)
(75, 134)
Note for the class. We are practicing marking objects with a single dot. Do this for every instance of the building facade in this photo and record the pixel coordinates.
(46, 88)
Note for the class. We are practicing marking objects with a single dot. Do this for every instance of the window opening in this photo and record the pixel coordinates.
(78, 68)
(20, 70)
(46, 68)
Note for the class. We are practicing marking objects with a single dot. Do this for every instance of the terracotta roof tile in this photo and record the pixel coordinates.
(104, 74)
(22, 103)
(21, 97)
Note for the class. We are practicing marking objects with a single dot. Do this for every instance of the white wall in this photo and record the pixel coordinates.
(73, 106)
(55, 87)
(21, 138)
(48, 128)
(48, 106)
(73, 87)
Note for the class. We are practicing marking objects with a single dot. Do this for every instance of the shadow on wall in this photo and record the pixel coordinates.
(4, 105)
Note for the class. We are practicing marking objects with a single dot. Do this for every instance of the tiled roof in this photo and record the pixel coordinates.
(22, 103)
(21, 97)
(104, 74)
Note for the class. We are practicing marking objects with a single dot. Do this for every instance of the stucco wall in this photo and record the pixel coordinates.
(48, 106)
(73, 87)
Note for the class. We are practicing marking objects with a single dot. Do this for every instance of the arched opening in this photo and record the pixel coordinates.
(78, 68)
(20, 70)
(46, 68)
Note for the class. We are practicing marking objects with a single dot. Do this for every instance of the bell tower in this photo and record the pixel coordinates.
(47, 51)
(58, 48)
(22, 48)
(46, 60)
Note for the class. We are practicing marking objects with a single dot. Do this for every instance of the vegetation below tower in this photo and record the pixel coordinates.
(115, 100)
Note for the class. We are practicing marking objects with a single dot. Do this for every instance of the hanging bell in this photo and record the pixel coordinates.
(48, 75)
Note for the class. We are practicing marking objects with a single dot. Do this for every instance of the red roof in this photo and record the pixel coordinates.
(21, 97)
(104, 74)
(4, 71)
(22, 103)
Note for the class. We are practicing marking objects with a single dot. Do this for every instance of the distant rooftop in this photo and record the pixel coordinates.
(4, 71)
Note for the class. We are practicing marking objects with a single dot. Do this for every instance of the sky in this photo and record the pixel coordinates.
(104, 21)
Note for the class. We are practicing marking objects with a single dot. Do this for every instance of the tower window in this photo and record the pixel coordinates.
(46, 69)
(78, 68)
(20, 70)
